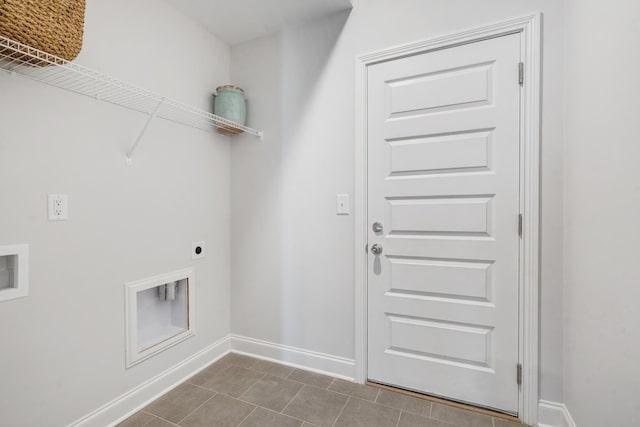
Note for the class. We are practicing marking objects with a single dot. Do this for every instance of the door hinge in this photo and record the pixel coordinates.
(521, 73)
(519, 374)
(520, 225)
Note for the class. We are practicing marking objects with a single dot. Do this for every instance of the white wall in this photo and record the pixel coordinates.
(292, 257)
(63, 346)
(602, 214)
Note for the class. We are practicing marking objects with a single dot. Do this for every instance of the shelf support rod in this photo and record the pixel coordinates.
(143, 131)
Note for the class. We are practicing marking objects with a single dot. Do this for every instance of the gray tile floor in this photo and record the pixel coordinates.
(243, 391)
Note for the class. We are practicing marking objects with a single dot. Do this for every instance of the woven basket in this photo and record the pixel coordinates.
(54, 26)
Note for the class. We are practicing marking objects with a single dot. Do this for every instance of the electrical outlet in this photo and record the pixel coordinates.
(197, 250)
(58, 207)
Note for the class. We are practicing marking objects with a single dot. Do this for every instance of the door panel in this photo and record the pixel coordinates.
(443, 162)
(429, 278)
(439, 154)
(453, 215)
(420, 94)
(440, 340)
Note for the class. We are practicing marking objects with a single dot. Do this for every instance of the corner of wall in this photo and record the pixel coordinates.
(140, 396)
(554, 414)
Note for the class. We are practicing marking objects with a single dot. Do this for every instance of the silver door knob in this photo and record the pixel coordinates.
(376, 249)
(377, 227)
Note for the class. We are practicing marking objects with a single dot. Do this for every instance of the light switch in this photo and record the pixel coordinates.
(342, 204)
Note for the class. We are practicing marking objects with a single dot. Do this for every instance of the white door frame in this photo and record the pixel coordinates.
(530, 29)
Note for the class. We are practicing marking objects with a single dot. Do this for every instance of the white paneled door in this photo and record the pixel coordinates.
(443, 213)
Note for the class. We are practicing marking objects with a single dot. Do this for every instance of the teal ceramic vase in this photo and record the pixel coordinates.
(230, 103)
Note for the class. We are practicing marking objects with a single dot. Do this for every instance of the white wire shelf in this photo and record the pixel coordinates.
(19, 59)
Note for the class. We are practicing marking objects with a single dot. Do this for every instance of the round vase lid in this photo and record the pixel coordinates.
(229, 87)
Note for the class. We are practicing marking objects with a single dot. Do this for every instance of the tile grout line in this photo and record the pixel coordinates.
(393, 407)
(399, 416)
(215, 393)
(256, 406)
(153, 417)
(292, 399)
(402, 409)
(327, 388)
(245, 418)
(336, 392)
(185, 417)
(270, 373)
(160, 418)
(312, 385)
(444, 403)
(311, 372)
(260, 406)
(303, 385)
(341, 411)
(278, 413)
(287, 378)
(333, 379)
(203, 388)
(252, 385)
(297, 419)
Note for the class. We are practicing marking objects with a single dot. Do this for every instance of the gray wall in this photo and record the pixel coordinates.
(292, 257)
(602, 214)
(63, 347)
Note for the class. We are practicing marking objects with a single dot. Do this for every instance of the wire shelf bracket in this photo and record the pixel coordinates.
(18, 59)
(142, 132)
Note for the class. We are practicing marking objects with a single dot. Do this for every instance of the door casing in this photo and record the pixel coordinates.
(530, 29)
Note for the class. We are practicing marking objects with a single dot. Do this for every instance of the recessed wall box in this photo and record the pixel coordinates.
(159, 314)
(14, 272)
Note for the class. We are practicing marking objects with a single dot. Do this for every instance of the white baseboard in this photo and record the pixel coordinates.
(132, 401)
(327, 364)
(550, 414)
(553, 414)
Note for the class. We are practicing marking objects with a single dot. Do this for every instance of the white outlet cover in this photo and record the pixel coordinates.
(198, 250)
(342, 204)
(58, 207)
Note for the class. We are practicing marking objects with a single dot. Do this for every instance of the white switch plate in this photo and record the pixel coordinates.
(58, 207)
(197, 250)
(342, 204)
